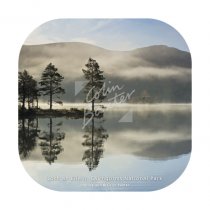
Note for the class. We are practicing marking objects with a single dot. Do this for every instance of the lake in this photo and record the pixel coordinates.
(130, 148)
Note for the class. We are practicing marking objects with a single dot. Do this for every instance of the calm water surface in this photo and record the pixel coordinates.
(147, 153)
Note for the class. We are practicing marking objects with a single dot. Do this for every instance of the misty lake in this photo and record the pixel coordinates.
(131, 148)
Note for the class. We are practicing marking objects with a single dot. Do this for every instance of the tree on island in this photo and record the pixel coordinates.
(27, 89)
(95, 82)
(33, 93)
(51, 83)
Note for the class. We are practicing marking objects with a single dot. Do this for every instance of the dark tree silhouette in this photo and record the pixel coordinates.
(51, 83)
(94, 140)
(27, 89)
(95, 82)
(33, 94)
(28, 130)
(51, 143)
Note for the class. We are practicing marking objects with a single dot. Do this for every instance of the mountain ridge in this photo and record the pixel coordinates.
(94, 45)
(161, 71)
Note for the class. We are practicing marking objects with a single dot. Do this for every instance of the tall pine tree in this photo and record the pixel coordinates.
(95, 82)
(51, 83)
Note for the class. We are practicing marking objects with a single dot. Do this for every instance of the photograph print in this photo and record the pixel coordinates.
(104, 104)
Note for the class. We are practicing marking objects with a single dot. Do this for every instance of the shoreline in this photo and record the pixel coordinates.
(109, 105)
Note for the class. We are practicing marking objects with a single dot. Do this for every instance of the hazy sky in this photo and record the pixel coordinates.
(113, 34)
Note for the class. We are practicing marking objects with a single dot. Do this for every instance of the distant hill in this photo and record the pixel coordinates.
(163, 56)
(161, 73)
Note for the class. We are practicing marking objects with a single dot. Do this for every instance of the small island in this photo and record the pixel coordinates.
(51, 86)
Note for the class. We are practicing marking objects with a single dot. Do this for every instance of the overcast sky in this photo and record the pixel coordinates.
(113, 34)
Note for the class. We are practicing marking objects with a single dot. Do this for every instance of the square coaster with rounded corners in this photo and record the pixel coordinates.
(104, 105)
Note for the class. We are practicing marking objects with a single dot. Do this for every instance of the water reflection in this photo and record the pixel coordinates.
(27, 133)
(152, 135)
(51, 141)
(157, 142)
(95, 136)
(163, 150)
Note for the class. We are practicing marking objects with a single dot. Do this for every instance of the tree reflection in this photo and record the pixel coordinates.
(95, 136)
(51, 142)
(27, 133)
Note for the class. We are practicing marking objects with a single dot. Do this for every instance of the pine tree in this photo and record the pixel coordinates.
(95, 82)
(32, 93)
(27, 89)
(51, 82)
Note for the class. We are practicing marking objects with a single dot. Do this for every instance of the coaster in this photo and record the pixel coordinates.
(104, 105)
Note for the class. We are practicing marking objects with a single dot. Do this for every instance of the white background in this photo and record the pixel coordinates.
(191, 18)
